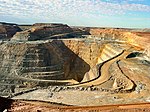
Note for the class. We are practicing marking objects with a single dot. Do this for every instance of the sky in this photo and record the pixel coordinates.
(97, 13)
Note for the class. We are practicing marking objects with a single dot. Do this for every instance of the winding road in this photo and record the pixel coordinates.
(103, 71)
(103, 75)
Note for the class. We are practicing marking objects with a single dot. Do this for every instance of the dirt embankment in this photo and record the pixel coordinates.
(35, 106)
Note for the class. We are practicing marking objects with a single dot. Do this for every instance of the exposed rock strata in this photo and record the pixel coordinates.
(39, 32)
(8, 30)
(139, 39)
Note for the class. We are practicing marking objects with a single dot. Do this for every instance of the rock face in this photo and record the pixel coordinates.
(8, 30)
(24, 36)
(139, 39)
(32, 63)
(52, 60)
(42, 31)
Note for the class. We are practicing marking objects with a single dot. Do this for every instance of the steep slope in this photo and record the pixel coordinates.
(139, 39)
(8, 30)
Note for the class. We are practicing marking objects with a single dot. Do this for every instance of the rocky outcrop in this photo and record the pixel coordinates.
(8, 30)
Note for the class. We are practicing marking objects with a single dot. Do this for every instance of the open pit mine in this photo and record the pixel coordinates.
(55, 67)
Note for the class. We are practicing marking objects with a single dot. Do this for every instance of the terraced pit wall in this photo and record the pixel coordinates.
(140, 39)
(29, 63)
(53, 60)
